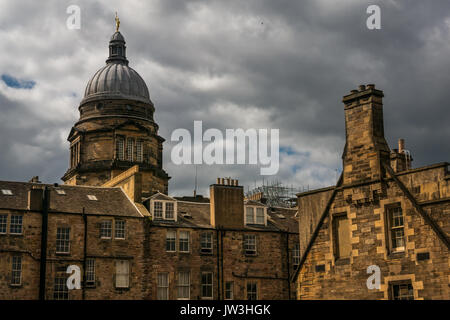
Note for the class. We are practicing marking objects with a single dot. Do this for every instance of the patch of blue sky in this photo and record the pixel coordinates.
(16, 83)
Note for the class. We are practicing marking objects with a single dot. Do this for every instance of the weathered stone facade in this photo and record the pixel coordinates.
(397, 219)
(70, 208)
(116, 129)
(143, 245)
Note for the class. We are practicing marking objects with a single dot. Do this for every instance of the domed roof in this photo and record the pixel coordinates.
(116, 80)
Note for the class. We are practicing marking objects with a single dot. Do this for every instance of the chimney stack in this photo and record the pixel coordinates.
(365, 148)
(401, 145)
(35, 199)
(227, 204)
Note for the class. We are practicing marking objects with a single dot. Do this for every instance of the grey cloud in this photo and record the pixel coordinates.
(287, 65)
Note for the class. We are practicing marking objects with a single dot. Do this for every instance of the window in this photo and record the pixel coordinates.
(402, 291)
(92, 197)
(7, 192)
(106, 229)
(158, 210)
(206, 242)
(60, 290)
(139, 153)
(75, 154)
(296, 255)
(169, 210)
(184, 286)
(396, 229)
(250, 244)
(171, 237)
(61, 192)
(163, 286)
(184, 241)
(341, 232)
(90, 271)
(119, 230)
(16, 271)
(249, 215)
(63, 240)
(3, 223)
(120, 149)
(252, 289)
(130, 147)
(229, 292)
(122, 274)
(15, 226)
(207, 285)
(260, 215)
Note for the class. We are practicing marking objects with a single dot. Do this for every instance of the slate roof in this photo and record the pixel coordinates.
(197, 215)
(110, 201)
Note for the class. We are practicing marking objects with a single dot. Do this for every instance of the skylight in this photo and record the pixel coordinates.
(92, 197)
(60, 191)
(7, 192)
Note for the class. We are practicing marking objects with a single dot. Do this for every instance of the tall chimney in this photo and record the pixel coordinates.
(365, 148)
(401, 145)
(35, 196)
(227, 205)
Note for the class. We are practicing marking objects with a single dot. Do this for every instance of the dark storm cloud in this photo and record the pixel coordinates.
(253, 64)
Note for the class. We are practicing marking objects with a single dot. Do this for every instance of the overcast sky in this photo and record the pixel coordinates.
(232, 64)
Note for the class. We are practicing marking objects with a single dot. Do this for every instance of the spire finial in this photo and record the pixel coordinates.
(117, 22)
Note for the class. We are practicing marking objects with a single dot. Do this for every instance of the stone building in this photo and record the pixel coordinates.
(224, 248)
(173, 250)
(381, 213)
(97, 229)
(114, 220)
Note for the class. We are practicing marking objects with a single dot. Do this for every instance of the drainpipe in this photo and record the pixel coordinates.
(218, 264)
(84, 253)
(221, 261)
(44, 232)
(288, 266)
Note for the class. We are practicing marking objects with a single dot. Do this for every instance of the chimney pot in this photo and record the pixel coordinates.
(354, 91)
(362, 87)
(401, 145)
(218, 180)
(371, 86)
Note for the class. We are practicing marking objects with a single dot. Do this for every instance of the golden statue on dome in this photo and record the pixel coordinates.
(117, 22)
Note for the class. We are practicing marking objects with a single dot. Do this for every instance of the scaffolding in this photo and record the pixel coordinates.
(274, 194)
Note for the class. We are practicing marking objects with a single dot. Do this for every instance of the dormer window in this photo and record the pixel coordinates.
(255, 215)
(164, 210)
